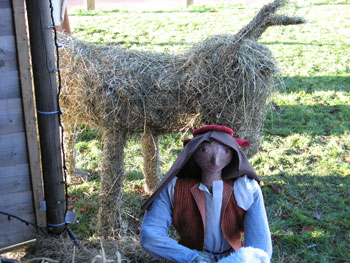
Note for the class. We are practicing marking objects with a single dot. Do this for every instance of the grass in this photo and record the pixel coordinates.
(305, 149)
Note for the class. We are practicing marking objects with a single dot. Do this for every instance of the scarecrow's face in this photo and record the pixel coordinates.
(212, 156)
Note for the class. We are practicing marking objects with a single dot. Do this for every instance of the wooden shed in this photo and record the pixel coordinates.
(21, 189)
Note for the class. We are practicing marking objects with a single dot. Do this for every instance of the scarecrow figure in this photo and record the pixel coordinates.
(212, 197)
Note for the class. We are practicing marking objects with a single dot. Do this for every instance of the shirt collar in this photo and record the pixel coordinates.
(216, 185)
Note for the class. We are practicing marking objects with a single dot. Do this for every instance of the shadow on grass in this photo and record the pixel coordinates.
(290, 43)
(310, 216)
(194, 9)
(133, 175)
(319, 108)
(319, 83)
(316, 120)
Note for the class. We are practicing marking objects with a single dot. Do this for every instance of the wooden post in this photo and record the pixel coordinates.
(90, 4)
(43, 61)
(28, 108)
(188, 3)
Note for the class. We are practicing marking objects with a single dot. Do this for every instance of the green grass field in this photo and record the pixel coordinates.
(305, 149)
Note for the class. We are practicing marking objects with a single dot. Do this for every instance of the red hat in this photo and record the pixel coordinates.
(242, 143)
(212, 128)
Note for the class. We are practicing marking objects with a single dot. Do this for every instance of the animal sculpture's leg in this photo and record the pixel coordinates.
(150, 152)
(112, 175)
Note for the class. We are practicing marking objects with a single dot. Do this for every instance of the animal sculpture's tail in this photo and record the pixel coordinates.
(265, 18)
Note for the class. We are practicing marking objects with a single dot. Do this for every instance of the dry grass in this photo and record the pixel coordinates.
(63, 250)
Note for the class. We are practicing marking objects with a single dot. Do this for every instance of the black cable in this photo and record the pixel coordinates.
(44, 230)
(58, 71)
(25, 222)
(58, 101)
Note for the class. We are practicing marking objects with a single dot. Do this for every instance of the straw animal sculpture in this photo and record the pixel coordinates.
(226, 80)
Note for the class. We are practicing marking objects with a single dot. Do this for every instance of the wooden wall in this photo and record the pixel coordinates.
(20, 177)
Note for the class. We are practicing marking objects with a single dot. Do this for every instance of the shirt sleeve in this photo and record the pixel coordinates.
(256, 228)
(244, 189)
(154, 232)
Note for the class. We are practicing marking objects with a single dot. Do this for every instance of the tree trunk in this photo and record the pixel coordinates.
(109, 215)
(150, 152)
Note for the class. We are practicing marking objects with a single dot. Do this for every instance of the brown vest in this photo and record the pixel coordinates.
(189, 214)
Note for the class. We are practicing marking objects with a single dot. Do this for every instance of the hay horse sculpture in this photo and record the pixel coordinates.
(224, 80)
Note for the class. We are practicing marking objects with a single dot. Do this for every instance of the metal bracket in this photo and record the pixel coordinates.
(71, 217)
(42, 205)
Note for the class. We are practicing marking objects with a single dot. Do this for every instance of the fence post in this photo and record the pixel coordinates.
(188, 3)
(90, 4)
(43, 61)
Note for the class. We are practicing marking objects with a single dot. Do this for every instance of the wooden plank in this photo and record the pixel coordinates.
(10, 156)
(8, 226)
(10, 105)
(14, 170)
(8, 58)
(11, 116)
(16, 239)
(16, 139)
(9, 85)
(5, 4)
(13, 150)
(14, 231)
(29, 109)
(23, 236)
(18, 204)
(6, 22)
(14, 179)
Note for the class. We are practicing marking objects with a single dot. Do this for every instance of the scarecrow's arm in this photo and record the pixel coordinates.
(256, 228)
(154, 232)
